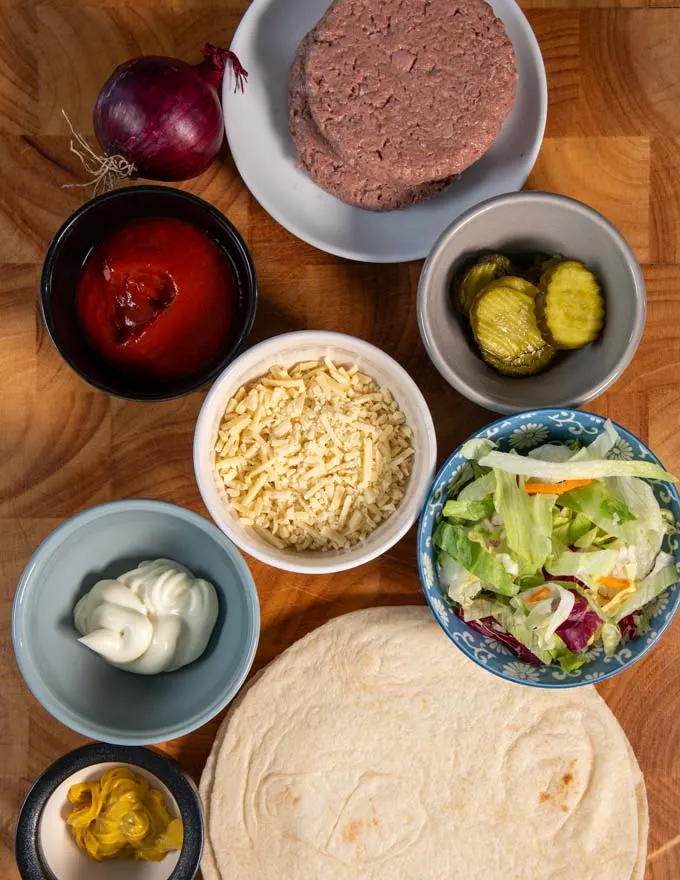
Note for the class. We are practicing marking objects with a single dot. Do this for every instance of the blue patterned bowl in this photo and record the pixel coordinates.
(522, 432)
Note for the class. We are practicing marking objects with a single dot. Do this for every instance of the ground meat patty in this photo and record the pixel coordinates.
(410, 90)
(326, 168)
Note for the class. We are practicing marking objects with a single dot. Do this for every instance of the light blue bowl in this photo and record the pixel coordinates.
(522, 432)
(80, 688)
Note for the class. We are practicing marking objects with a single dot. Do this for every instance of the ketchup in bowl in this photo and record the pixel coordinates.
(157, 298)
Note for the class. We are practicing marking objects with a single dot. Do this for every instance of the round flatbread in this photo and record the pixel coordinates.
(374, 749)
(410, 90)
(327, 169)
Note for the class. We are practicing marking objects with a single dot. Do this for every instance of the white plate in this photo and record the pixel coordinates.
(257, 130)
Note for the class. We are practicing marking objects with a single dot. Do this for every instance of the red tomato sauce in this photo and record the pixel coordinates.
(157, 298)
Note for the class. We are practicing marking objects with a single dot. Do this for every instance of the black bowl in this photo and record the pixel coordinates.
(85, 229)
(27, 848)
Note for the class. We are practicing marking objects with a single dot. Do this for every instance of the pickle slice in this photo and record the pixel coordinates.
(477, 277)
(516, 283)
(505, 329)
(528, 365)
(539, 265)
(570, 308)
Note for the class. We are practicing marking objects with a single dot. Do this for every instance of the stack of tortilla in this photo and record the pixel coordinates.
(389, 100)
(372, 749)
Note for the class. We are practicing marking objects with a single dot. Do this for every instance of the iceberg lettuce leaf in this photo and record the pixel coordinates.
(470, 510)
(663, 576)
(479, 489)
(527, 520)
(474, 558)
(589, 469)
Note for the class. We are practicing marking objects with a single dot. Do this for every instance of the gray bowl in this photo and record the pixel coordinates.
(80, 688)
(521, 223)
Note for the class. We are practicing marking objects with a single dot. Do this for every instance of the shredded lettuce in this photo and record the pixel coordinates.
(498, 544)
(663, 576)
(546, 615)
(514, 621)
(460, 585)
(611, 636)
(568, 660)
(570, 527)
(471, 511)
(477, 448)
(590, 469)
(479, 489)
(546, 649)
(647, 532)
(551, 452)
(528, 522)
(594, 538)
(478, 609)
(599, 505)
(587, 566)
(474, 558)
(601, 446)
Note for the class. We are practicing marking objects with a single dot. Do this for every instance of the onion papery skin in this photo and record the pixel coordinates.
(162, 115)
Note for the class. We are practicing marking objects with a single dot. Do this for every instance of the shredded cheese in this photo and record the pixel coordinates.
(314, 457)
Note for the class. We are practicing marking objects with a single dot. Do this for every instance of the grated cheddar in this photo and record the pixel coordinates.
(314, 457)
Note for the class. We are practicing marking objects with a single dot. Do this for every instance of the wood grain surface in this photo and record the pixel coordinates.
(613, 140)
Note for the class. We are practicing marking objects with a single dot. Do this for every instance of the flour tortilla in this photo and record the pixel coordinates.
(373, 749)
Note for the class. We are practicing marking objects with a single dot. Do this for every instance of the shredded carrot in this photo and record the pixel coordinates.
(614, 583)
(554, 488)
(543, 593)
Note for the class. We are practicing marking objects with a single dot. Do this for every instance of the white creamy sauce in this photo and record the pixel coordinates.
(156, 618)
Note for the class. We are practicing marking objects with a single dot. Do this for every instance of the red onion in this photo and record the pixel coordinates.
(160, 117)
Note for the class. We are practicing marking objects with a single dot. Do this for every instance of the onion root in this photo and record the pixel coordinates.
(106, 171)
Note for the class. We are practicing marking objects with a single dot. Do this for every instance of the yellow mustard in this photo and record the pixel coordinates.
(122, 817)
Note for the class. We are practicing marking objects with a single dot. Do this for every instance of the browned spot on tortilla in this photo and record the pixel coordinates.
(355, 827)
(558, 793)
(287, 796)
(351, 831)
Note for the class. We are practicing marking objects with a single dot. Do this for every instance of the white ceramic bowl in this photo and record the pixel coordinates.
(260, 143)
(287, 350)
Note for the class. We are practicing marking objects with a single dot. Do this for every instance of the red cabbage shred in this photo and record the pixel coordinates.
(580, 626)
(488, 626)
(629, 624)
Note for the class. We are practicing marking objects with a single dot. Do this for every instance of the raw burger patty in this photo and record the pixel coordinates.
(326, 168)
(410, 90)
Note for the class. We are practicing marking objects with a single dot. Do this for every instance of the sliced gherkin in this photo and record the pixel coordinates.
(570, 308)
(516, 283)
(540, 264)
(527, 365)
(469, 284)
(505, 329)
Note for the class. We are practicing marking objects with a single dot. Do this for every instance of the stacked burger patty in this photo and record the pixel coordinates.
(391, 99)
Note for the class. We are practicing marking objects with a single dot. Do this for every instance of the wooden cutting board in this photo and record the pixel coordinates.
(613, 140)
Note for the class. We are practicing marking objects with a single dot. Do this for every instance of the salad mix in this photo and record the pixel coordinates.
(556, 551)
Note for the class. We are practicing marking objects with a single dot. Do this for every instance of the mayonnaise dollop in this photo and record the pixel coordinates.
(156, 618)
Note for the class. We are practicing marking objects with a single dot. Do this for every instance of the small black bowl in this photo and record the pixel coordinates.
(27, 842)
(85, 229)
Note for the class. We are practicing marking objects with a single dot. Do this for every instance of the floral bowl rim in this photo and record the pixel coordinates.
(493, 656)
